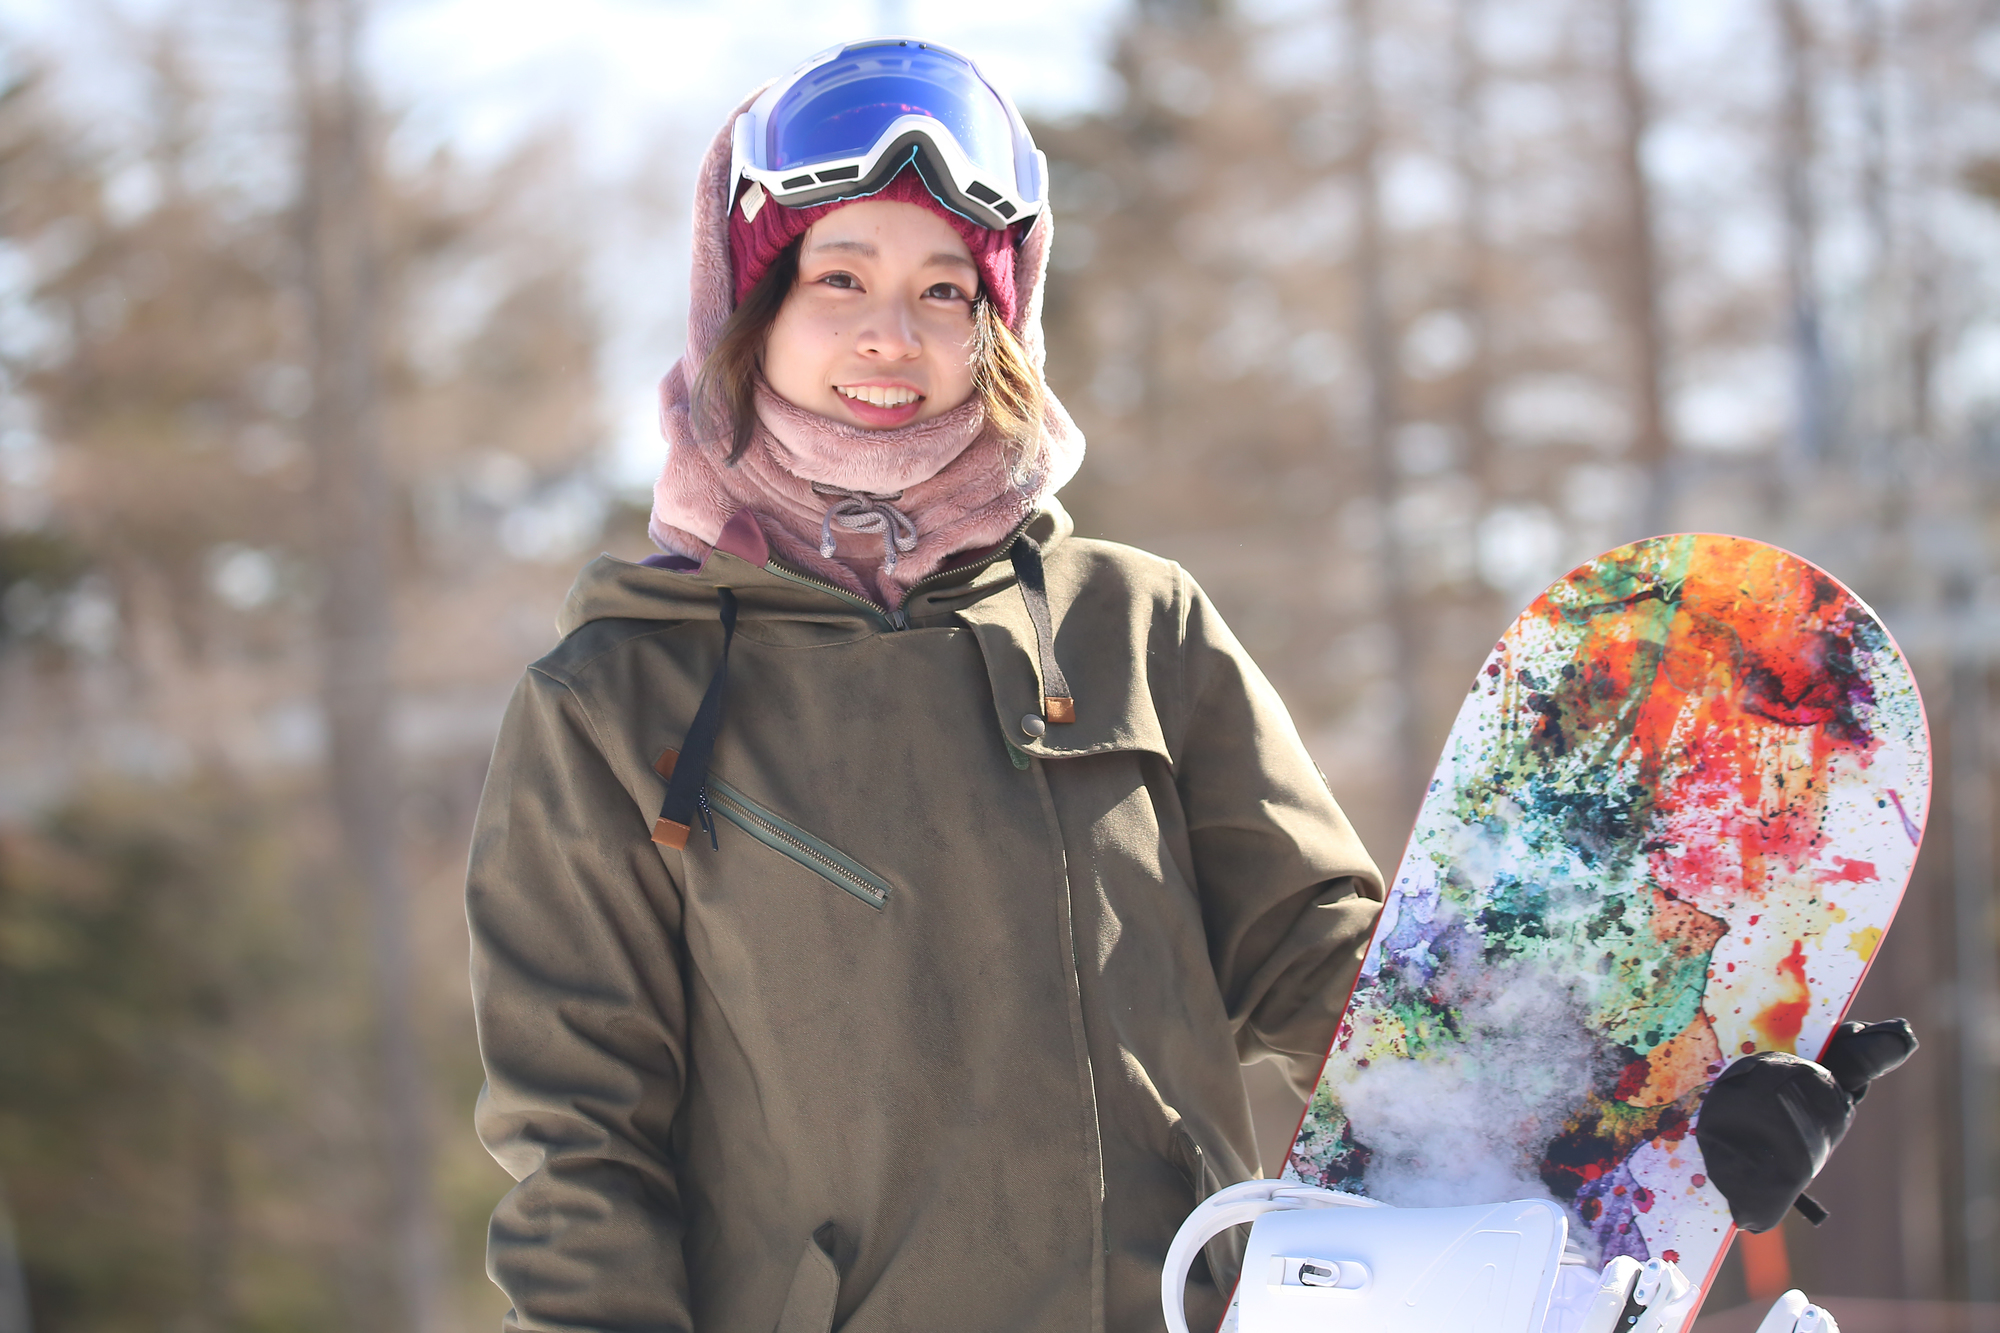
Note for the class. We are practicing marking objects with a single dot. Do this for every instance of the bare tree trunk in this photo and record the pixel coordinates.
(1469, 151)
(343, 282)
(1926, 164)
(13, 1284)
(1896, 434)
(1976, 988)
(1872, 411)
(1397, 612)
(1639, 274)
(1797, 144)
(212, 1191)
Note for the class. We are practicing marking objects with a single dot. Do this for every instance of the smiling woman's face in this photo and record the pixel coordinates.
(878, 330)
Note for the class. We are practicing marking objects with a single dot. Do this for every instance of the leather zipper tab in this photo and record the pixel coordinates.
(671, 833)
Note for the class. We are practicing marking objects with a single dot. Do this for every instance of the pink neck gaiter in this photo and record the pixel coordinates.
(958, 484)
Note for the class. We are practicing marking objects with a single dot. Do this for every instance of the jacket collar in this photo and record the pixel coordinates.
(1114, 709)
(614, 589)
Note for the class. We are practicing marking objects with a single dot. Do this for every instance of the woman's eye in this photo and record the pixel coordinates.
(947, 291)
(844, 280)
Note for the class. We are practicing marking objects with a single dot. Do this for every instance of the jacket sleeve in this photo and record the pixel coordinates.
(582, 1028)
(1289, 895)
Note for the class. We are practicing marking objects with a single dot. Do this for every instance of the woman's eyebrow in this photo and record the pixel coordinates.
(867, 251)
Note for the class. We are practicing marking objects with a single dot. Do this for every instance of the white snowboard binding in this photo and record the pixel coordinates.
(1318, 1259)
(1795, 1314)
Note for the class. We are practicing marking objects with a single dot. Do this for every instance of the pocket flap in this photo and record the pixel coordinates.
(815, 1288)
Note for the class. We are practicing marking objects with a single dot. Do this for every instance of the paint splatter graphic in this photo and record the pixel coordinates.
(1672, 821)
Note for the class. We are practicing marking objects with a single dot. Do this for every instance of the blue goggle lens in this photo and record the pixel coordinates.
(843, 107)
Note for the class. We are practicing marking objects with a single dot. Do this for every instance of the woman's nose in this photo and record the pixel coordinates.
(890, 333)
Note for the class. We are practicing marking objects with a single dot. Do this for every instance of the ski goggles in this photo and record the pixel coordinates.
(846, 121)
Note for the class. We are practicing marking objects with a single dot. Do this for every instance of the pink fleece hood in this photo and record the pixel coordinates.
(954, 477)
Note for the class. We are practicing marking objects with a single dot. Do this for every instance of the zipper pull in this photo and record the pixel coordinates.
(707, 819)
(899, 618)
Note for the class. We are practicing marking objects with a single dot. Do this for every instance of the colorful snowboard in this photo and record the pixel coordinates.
(1671, 825)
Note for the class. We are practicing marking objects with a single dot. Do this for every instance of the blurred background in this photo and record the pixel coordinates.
(328, 337)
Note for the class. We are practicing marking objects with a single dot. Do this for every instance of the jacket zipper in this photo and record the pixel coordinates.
(974, 567)
(898, 618)
(783, 836)
(787, 572)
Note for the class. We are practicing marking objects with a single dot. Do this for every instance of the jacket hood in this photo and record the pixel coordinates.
(961, 484)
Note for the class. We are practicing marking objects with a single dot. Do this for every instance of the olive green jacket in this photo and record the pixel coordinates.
(943, 1032)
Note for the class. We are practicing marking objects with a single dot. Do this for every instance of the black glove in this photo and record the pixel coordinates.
(1768, 1124)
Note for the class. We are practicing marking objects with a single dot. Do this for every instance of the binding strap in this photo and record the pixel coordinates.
(687, 772)
(1057, 703)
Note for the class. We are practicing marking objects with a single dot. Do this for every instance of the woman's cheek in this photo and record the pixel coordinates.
(797, 352)
(958, 340)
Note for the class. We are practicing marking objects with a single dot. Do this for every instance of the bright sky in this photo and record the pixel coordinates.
(490, 66)
(480, 71)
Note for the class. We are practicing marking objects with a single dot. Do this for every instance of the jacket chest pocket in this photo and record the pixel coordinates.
(788, 839)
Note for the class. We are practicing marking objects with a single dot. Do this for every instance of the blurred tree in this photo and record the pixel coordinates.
(1300, 418)
(1796, 151)
(1196, 326)
(1982, 177)
(341, 280)
(160, 506)
(1286, 375)
(1472, 166)
(1634, 268)
(36, 569)
(1379, 312)
(1379, 334)
(145, 948)
(13, 1284)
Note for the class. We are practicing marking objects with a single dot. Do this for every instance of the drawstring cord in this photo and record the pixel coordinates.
(1057, 703)
(686, 770)
(863, 511)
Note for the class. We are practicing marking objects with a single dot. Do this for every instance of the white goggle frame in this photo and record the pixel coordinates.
(986, 198)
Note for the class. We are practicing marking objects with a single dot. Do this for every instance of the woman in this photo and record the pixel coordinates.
(988, 883)
(875, 896)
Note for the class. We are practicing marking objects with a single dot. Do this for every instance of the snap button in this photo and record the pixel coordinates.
(1032, 725)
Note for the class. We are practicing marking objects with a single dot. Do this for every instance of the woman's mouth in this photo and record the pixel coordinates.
(881, 404)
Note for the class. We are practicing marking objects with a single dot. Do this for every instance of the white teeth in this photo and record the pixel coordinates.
(878, 396)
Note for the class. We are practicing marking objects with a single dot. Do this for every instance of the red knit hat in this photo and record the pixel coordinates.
(755, 242)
